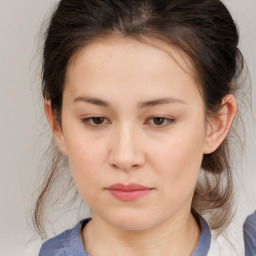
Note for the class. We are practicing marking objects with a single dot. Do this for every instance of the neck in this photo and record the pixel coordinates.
(177, 236)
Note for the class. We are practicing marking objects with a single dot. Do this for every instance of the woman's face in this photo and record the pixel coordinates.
(133, 128)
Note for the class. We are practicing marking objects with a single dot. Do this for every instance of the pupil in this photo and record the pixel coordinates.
(158, 120)
(98, 120)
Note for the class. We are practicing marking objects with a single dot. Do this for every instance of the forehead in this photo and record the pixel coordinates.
(116, 63)
(151, 50)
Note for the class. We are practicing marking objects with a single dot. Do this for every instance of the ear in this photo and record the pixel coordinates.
(56, 130)
(219, 125)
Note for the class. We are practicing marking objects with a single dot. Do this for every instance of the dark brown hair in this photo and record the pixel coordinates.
(202, 29)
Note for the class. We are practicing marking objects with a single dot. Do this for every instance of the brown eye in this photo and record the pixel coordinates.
(159, 120)
(95, 120)
(98, 120)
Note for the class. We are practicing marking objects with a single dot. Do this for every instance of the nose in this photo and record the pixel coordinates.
(126, 150)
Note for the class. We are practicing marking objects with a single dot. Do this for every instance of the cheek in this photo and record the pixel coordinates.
(86, 165)
(178, 160)
(178, 173)
(86, 158)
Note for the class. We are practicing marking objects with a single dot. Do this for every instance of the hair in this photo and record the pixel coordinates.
(201, 29)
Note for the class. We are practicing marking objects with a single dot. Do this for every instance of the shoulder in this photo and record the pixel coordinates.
(250, 235)
(204, 242)
(67, 243)
(57, 245)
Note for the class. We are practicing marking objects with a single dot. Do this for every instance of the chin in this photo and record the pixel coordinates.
(132, 221)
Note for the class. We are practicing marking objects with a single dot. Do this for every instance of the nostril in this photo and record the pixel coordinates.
(125, 151)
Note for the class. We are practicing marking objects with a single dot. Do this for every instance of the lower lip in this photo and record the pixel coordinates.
(129, 195)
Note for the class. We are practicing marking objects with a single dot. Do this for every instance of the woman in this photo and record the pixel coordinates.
(140, 96)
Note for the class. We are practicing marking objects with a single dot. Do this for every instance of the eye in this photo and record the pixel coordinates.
(160, 121)
(95, 120)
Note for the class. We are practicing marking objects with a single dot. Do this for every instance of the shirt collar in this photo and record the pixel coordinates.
(202, 247)
(204, 243)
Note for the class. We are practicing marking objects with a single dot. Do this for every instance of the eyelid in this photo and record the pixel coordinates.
(168, 121)
(86, 121)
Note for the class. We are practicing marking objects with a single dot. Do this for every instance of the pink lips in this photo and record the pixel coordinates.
(129, 192)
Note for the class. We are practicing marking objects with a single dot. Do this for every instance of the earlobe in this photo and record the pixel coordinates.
(219, 125)
(56, 130)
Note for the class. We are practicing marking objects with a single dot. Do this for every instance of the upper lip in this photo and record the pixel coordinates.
(129, 187)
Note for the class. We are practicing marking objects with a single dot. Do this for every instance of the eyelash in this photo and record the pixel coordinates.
(90, 121)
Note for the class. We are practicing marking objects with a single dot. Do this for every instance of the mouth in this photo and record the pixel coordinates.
(130, 192)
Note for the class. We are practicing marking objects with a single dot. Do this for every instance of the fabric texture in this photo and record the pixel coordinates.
(69, 243)
(250, 235)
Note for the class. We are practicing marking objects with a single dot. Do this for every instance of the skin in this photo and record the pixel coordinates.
(129, 146)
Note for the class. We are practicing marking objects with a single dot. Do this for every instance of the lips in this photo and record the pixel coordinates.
(130, 192)
(130, 187)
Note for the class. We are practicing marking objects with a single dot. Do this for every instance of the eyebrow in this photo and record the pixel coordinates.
(160, 101)
(145, 104)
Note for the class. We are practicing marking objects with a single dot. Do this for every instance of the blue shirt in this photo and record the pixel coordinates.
(250, 235)
(69, 243)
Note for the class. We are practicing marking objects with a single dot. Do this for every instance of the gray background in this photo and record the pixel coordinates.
(22, 136)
